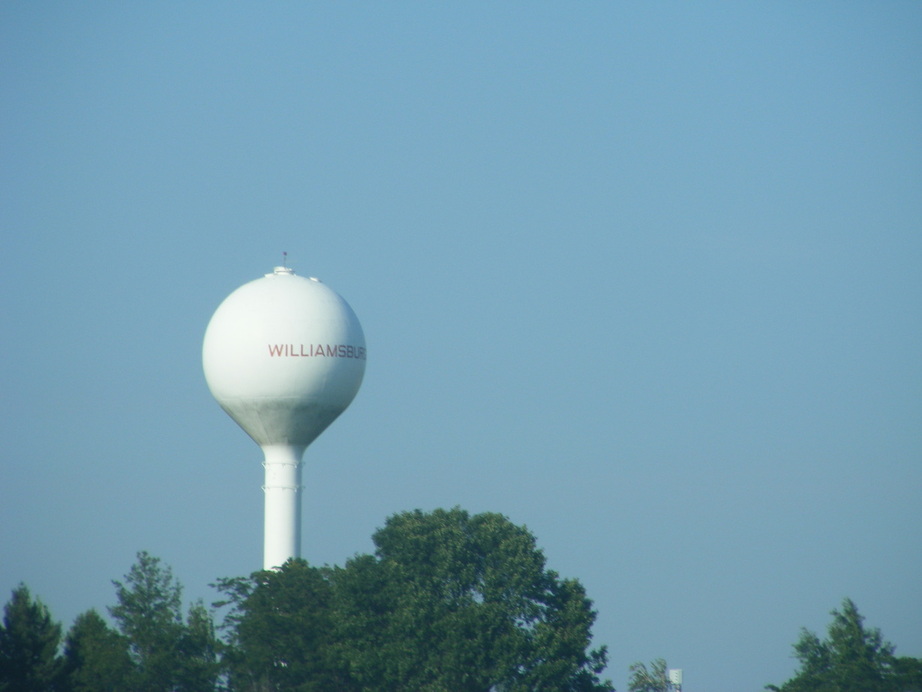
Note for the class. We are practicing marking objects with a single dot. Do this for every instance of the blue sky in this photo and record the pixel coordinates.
(643, 277)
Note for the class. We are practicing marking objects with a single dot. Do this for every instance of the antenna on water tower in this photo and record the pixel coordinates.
(284, 356)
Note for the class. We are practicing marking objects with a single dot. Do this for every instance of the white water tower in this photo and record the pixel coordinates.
(284, 356)
(675, 679)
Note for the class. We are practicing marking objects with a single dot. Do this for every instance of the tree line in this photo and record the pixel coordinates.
(852, 658)
(448, 602)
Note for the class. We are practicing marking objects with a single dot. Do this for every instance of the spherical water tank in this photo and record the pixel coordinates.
(284, 356)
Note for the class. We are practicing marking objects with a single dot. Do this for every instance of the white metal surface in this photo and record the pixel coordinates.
(282, 523)
(284, 356)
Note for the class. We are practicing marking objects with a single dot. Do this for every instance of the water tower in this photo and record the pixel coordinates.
(283, 355)
(675, 679)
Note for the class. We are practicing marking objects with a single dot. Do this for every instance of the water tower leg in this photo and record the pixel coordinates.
(282, 538)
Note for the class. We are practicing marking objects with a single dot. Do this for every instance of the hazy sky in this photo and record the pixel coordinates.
(646, 278)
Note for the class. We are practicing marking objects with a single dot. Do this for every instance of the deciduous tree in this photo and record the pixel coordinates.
(281, 631)
(458, 602)
(448, 603)
(653, 680)
(853, 658)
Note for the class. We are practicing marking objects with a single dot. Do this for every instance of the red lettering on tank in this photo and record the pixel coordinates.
(317, 350)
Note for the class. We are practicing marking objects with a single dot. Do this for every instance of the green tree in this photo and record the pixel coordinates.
(281, 631)
(853, 658)
(464, 603)
(653, 680)
(448, 603)
(198, 646)
(169, 655)
(149, 615)
(96, 657)
(29, 641)
(908, 674)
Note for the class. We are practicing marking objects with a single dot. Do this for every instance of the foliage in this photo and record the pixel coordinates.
(448, 602)
(280, 630)
(908, 674)
(148, 614)
(29, 641)
(96, 657)
(476, 604)
(455, 602)
(653, 680)
(198, 648)
(852, 659)
(168, 654)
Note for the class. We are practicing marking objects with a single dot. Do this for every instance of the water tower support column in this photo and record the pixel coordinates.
(282, 537)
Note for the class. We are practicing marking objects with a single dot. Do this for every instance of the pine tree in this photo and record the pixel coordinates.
(29, 642)
(96, 657)
(169, 655)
